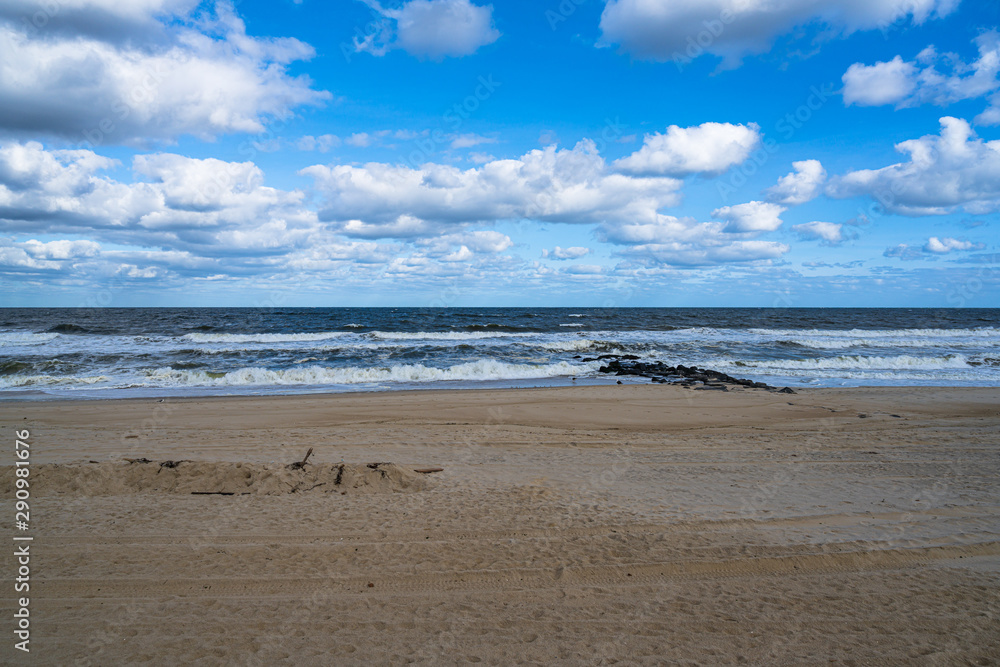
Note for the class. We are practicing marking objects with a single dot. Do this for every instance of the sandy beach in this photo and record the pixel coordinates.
(594, 525)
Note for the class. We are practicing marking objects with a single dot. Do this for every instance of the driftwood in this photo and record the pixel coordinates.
(170, 464)
(142, 460)
(425, 471)
(299, 465)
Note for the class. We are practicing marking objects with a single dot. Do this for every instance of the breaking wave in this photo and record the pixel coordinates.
(25, 338)
(483, 369)
(442, 335)
(262, 338)
(857, 362)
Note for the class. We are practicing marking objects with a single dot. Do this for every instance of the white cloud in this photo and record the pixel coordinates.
(554, 185)
(685, 254)
(585, 269)
(943, 172)
(207, 206)
(829, 232)
(908, 84)
(933, 246)
(709, 148)
(481, 158)
(432, 29)
(469, 140)
(946, 245)
(322, 143)
(61, 249)
(463, 254)
(903, 252)
(682, 30)
(881, 83)
(753, 216)
(687, 242)
(202, 81)
(359, 139)
(482, 242)
(107, 20)
(575, 252)
(799, 186)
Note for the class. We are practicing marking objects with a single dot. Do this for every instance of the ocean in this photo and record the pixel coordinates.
(121, 352)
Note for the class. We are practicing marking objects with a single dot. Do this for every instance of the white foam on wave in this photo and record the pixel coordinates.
(443, 335)
(353, 326)
(15, 338)
(262, 338)
(582, 345)
(571, 325)
(903, 362)
(483, 369)
(577, 345)
(11, 381)
(886, 342)
(980, 332)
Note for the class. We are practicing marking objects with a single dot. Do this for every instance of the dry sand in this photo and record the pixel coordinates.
(600, 525)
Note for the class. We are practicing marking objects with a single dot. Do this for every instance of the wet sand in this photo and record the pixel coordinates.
(595, 525)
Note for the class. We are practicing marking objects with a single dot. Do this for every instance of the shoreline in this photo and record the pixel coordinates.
(38, 395)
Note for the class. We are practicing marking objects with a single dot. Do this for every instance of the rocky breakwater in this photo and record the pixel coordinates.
(684, 376)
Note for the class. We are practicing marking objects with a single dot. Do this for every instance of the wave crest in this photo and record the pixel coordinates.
(262, 338)
(483, 369)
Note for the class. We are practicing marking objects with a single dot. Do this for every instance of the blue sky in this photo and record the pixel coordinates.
(451, 152)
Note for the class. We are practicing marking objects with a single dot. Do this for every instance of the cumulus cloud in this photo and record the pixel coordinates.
(207, 206)
(202, 79)
(322, 143)
(692, 255)
(576, 186)
(911, 83)
(829, 232)
(359, 140)
(753, 216)
(554, 185)
(61, 249)
(682, 30)
(576, 252)
(709, 148)
(944, 172)
(933, 246)
(946, 245)
(799, 186)
(881, 83)
(106, 20)
(686, 242)
(432, 29)
(903, 251)
(480, 242)
(470, 139)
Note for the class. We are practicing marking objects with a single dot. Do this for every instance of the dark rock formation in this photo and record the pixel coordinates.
(685, 376)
